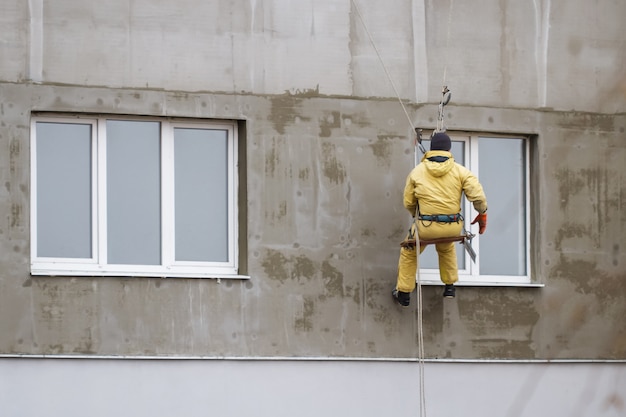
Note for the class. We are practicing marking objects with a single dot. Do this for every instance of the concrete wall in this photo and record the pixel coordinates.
(548, 54)
(327, 151)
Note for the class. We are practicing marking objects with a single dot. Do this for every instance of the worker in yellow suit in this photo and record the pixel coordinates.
(432, 194)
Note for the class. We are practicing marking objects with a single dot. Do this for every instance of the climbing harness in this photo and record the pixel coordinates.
(441, 218)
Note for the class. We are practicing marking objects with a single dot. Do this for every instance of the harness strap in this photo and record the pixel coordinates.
(441, 218)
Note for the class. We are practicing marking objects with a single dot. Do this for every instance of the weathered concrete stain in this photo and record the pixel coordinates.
(272, 157)
(303, 174)
(282, 210)
(596, 182)
(328, 122)
(276, 214)
(304, 92)
(502, 310)
(592, 184)
(382, 149)
(332, 168)
(333, 280)
(503, 348)
(568, 184)
(275, 265)
(570, 230)
(304, 321)
(303, 267)
(283, 112)
(284, 109)
(588, 278)
(615, 255)
(16, 215)
(356, 293)
(499, 325)
(279, 267)
(378, 311)
(577, 315)
(586, 121)
(573, 315)
(14, 155)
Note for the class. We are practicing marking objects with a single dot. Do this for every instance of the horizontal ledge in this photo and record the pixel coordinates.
(485, 284)
(317, 359)
(113, 274)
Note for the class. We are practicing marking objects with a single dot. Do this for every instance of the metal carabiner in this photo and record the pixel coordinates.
(445, 99)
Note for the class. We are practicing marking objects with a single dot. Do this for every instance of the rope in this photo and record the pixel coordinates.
(445, 57)
(420, 329)
(444, 88)
(369, 35)
(420, 341)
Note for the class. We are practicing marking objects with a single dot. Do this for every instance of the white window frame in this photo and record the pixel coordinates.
(97, 265)
(470, 274)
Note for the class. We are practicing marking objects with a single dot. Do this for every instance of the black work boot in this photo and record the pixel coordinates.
(449, 291)
(402, 298)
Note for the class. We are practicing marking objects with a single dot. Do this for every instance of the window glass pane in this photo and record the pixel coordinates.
(63, 190)
(133, 192)
(502, 174)
(428, 258)
(201, 194)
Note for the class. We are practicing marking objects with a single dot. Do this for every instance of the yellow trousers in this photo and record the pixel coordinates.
(446, 252)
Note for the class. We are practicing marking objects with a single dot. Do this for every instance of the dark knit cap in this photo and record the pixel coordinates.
(440, 142)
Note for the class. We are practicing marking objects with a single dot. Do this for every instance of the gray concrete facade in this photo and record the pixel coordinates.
(326, 150)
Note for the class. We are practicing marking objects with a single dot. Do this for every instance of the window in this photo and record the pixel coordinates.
(501, 164)
(133, 197)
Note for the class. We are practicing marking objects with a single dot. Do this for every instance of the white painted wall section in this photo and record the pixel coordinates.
(264, 388)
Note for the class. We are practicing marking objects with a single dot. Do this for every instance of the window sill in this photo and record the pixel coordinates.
(153, 274)
(462, 283)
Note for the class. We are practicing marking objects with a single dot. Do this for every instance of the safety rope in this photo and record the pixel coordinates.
(445, 52)
(418, 143)
(382, 63)
(444, 89)
(420, 337)
(440, 127)
(420, 327)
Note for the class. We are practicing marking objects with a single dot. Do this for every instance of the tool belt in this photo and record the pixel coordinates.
(441, 218)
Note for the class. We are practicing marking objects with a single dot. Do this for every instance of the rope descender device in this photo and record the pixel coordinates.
(445, 99)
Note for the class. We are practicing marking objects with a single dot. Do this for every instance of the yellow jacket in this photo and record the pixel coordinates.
(438, 186)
